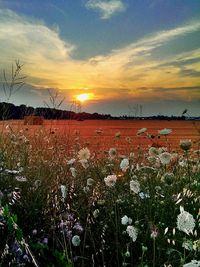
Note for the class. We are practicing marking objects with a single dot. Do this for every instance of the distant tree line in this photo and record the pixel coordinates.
(10, 111)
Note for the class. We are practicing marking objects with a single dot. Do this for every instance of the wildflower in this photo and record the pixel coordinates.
(77, 227)
(90, 182)
(96, 213)
(153, 151)
(73, 171)
(124, 165)
(135, 186)
(84, 154)
(112, 153)
(63, 191)
(132, 232)
(143, 195)
(110, 180)
(196, 245)
(84, 163)
(164, 131)
(125, 220)
(165, 158)
(187, 244)
(12, 171)
(21, 178)
(76, 240)
(185, 221)
(71, 162)
(185, 144)
(127, 254)
(193, 263)
(45, 241)
(141, 131)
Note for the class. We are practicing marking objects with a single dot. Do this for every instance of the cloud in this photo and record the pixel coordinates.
(49, 62)
(107, 8)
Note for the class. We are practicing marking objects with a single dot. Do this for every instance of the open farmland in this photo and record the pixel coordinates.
(101, 134)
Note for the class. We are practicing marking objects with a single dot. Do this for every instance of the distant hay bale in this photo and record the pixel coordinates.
(33, 120)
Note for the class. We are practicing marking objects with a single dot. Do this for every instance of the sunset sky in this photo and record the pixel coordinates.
(119, 52)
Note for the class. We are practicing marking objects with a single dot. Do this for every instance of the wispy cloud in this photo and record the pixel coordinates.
(49, 62)
(107, 8)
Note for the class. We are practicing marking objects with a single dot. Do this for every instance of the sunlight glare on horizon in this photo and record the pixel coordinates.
(84, 97)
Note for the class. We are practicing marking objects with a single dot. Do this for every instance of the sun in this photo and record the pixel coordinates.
(83, 97)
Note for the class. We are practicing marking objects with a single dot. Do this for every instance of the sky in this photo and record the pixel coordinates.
(121, 53)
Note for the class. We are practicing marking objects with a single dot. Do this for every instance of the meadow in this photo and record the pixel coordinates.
(100, 193)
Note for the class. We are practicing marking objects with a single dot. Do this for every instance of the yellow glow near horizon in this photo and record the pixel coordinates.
(83, 97)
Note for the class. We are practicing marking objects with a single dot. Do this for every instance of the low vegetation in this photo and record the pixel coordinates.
(67, 206)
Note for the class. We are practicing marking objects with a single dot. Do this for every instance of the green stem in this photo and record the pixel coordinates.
(154, 252)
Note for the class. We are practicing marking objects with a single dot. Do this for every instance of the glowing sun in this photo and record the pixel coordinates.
(83, 97)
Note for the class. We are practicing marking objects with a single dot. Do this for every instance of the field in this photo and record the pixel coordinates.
(100, 194)
(101, 133)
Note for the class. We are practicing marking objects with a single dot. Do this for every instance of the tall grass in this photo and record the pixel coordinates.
(65, 205)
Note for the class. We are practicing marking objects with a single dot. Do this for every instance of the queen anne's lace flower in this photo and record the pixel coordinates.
(193, 263)
(76, 240)
(124, 165)
(132, 232)
(84, 154)
(125, 220)
(185, 221)
(165, 158)
(135, 186)
(110, 180)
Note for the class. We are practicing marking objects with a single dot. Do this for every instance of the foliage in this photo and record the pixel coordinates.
(57, 208)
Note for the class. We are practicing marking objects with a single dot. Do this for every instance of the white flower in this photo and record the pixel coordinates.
(165, 131)
(112, 153)
(132, 232)
(73, 171)
(71, 162)
(96, 213)
(21, 178)
(110, 180)
(135, 186)
(11, 171)
(76, 240)
(193, 263)
(124, 220)
(63, 190)
(124, 165)
(84, 163)
(165, 158)
(141, 131)
(84, 154)
(185, 221)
